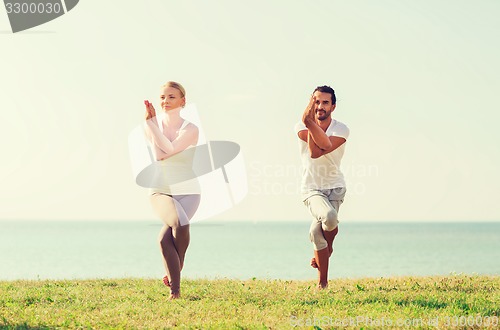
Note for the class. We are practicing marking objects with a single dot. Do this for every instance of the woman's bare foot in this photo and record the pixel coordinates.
(166, 281)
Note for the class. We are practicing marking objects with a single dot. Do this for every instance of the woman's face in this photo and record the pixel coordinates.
(171, 98)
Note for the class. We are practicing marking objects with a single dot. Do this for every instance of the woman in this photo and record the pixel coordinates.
(176, 198)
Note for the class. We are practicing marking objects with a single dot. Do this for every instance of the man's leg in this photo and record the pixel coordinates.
(331, 226)
(322, 260)
(324, 217)
(329, 237)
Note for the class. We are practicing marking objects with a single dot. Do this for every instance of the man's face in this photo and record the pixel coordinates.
(324, 106)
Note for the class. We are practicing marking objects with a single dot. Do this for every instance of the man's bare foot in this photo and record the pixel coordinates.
(322, 286)
(166, 280)
(175, 296)
(313, 261)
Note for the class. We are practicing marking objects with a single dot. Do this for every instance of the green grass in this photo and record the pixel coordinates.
(252, 304)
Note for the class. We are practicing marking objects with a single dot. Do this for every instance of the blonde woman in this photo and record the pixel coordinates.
(176, 203)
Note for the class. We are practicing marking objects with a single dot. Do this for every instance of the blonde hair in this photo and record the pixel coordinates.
(176, 85)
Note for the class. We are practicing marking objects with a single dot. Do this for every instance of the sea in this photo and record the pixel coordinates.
(245, 250)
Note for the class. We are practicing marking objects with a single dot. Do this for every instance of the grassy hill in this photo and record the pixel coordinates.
(414, 302)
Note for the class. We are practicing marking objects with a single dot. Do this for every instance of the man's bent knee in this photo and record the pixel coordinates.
(318, 240)
(330, 221)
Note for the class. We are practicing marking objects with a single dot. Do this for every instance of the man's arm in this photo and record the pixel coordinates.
(317, 134)
(318, 142)
(314, 150)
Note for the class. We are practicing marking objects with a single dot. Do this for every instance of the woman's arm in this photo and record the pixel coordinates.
(159, 140)
(152, 134)
(165, 148)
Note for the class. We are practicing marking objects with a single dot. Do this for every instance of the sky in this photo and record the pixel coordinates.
(416, 83)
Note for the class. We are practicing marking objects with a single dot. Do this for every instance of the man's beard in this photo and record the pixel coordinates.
(323, 116)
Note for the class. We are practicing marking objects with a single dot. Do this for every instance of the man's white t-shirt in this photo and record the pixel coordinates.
(324, 171)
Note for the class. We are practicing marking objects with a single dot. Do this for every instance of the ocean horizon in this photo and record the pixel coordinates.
(243, 250)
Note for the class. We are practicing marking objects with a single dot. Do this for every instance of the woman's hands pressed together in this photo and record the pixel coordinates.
(150, 110)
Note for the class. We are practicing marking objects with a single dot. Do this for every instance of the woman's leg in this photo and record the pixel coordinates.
(186, 206)
(164, 207)
(170, 260)
(174, 237)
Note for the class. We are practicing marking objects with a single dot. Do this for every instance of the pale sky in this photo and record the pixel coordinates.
(416, 83)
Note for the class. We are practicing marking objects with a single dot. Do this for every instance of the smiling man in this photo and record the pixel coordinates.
(322, 142)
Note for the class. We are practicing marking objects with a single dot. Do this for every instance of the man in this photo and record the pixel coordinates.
(322, 143)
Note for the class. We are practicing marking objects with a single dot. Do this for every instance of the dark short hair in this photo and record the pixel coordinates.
(326, 89)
